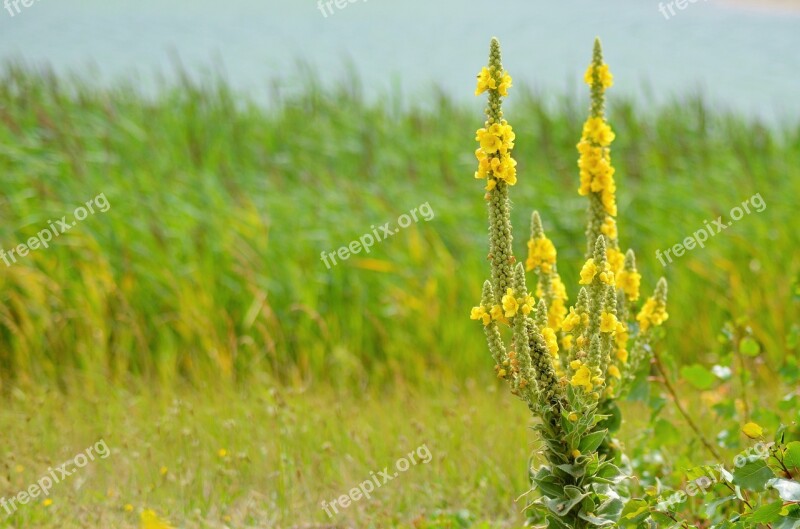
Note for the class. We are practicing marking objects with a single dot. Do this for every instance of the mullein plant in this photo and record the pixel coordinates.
(568, 365)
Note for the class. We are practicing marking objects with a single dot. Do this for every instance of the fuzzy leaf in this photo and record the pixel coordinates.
(592, 441)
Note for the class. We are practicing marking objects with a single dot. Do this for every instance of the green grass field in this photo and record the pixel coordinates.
(240, 382)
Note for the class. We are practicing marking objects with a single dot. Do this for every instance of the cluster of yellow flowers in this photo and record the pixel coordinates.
(487, 80)
(541, 255)
(596, 172)
(653, 314)
(603, 74)
(494, 154)
(496, 138)
(511, 306)
(590, 270)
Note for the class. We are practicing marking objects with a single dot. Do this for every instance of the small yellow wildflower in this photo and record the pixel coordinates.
(486, 81)
(651, 314)
(224, 453)
(576, 454)
(582, 378)
(622, 355)
(551, 340)
(575, 364)
(614, 371)
(477, 313)
(150, 520)
(608, 322)
(497, 314)
(505, 84)
(566, 342)
(128, 507)
(609, 229)
(19, 469)
(541, 253)
(490, 143)
(163, 471)
(510, 305)
(48, 502)
(571, 321)
(588, 272)
(526, 304)
(603, 73)
(753, 430)
(629, 282)
(573, 417)
(616, 259)
(598, 131)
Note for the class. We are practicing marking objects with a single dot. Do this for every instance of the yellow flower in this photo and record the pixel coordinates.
(163, 471)
(224, 453)
(490, 143)
(651, 314)
(486, 81)
(582, 378)
(526, 304)
(128, 507)
(571, 321)
(556, 313)
(616, 260)
(566, 342)
(150, 520)
(598, 131)
(497, 314)
(541, 253)
(48, 502)
(505, 84)
(588, 272)
(622, 355)
(614, 371)
(629, 282)
(551, 340)
(609, 229)
(608, 322)
(477, 313)
(605, 76)
(575, 364)
(753, 430)
(19, 469)
(576, 454)
(573, 417)
(510, 304)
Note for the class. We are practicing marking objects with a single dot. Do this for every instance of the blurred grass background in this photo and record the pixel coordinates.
(207, 266)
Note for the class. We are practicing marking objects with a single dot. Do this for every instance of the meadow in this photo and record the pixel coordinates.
(240, 382)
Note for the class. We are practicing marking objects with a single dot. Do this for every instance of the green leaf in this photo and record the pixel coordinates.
(698, 376)
(592, 441)
(753, 476)
(562, 506)
(787, 490)
(766, 513)
(749, 347)
(791, 457)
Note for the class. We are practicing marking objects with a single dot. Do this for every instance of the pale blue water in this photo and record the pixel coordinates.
(743, 60)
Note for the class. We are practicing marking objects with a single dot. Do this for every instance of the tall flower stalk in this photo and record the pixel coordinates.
(568, 366)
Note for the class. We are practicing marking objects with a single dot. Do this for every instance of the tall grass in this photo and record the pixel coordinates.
(207, 266)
